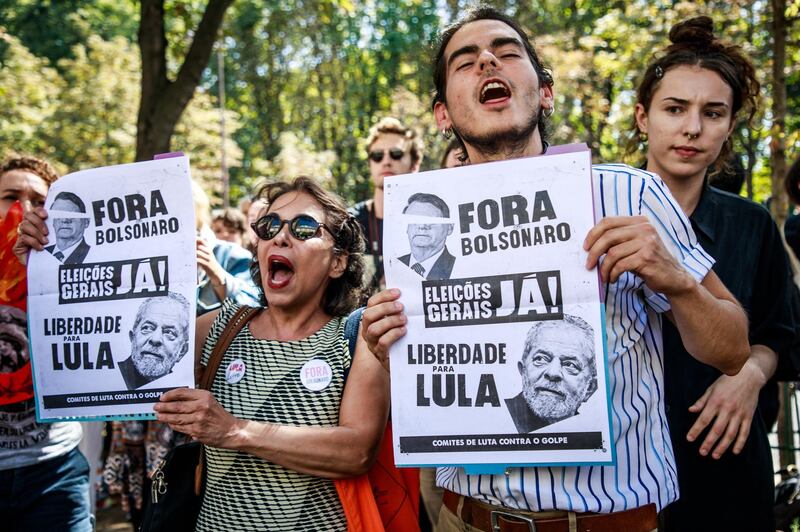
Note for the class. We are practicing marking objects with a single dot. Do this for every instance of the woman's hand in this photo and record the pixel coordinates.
(729, 404)
(32, 234)
(198, 414)
(383, 323)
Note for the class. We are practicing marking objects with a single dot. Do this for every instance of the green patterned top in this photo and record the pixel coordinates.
(245, 492)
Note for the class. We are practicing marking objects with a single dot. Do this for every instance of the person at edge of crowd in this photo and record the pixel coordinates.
(44, 478)
(230, 225)
(271, 433)
(492, 91)
(452, 154)
(687, 107)
(392, 149)
(791, 227)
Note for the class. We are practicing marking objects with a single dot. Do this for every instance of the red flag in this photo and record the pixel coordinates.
(13, 285)
(16, 383)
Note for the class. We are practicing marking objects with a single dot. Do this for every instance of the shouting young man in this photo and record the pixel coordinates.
(493, 92)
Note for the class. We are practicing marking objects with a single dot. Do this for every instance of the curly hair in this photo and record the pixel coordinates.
(343, 293)
(694, 44)
(30, 164)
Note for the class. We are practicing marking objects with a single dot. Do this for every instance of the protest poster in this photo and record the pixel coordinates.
(504, 360)
(111, 298)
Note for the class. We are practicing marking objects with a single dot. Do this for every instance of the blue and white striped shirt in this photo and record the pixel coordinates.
(645, 471)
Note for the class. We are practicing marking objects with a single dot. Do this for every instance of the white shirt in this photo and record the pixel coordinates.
(645, 464)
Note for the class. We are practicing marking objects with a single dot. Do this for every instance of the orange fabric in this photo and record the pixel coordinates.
(396, 489)
(13, 285)
(386, 499)
(18, 385)
(359, 504)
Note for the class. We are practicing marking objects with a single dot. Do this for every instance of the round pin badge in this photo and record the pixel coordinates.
(316, 375)
(235, 371)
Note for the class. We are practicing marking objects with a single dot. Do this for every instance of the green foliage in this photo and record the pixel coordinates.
(94, 122)
(305, 79)
(28, 90)
(52, 28)
(86, 117)
(328, 80)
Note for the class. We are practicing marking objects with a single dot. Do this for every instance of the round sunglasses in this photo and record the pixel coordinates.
(377, 155)
(302, 227)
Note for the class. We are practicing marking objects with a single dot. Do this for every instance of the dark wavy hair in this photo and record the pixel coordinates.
(440, 62)
(343, 293)
(694, 44)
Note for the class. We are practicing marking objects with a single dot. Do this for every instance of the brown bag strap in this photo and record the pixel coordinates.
(235, 324)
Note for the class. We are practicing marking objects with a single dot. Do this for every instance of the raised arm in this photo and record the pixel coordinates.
(332, 452)
(711, 322)
(384, 322)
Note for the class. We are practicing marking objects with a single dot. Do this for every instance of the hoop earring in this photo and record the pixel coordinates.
(447, 132)
(548, 112)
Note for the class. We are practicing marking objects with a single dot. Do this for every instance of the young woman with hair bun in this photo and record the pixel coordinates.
(688, 104)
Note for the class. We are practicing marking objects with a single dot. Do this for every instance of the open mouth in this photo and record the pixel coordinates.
(281, 271)
(494, 91)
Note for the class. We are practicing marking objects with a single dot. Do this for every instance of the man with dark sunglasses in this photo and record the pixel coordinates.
(392, 149)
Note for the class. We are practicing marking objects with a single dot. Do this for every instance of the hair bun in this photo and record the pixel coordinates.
(697, 31)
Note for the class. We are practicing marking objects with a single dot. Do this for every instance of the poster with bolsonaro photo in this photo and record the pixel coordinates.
(111, 298)
(504, 359)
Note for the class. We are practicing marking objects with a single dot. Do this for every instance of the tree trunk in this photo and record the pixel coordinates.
(163, 101)
(778, 133)
(778, 207)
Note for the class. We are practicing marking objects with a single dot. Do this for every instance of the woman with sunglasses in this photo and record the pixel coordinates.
(687, 107)
(275, 437)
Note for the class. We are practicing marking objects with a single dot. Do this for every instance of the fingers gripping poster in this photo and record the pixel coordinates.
(504, 359)
(111, 297)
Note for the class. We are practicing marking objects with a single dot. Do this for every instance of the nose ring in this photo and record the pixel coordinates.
(692, 136)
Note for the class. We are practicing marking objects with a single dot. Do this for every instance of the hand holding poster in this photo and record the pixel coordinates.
(112, 296)
(504, 358)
